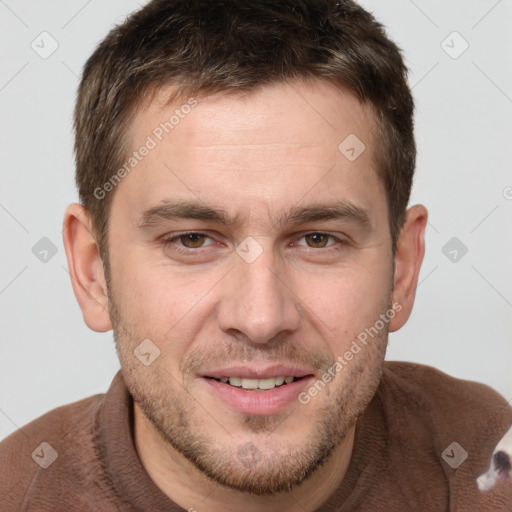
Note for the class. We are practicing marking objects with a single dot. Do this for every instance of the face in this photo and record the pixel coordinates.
(247, 246)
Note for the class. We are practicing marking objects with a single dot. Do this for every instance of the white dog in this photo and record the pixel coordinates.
(501, 464)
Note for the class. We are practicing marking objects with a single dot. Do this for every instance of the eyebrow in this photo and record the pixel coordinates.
(179, 209)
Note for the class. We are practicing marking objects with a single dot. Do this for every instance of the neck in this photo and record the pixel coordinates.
(189, 488)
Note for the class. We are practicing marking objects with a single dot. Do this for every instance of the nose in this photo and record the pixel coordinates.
(258, 302)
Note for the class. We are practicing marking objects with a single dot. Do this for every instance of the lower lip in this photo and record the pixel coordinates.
(259, 403)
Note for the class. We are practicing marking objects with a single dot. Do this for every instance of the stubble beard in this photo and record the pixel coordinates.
(257, 466)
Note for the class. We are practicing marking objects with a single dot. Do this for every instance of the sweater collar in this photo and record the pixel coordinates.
(122, 464)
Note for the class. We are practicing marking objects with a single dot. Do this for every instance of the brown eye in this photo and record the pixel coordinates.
(192, 240)
(318, 240)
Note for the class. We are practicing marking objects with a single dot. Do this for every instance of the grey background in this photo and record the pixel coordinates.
(462, 317)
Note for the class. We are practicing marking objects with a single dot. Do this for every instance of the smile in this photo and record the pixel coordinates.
(257, 397)
(257, 384)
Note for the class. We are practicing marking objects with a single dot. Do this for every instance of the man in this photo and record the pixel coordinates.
(244, 171)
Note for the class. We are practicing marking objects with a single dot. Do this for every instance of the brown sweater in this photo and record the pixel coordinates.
(396, 465)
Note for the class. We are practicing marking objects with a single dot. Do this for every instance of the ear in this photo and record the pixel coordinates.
(86, 268)
(408, 258)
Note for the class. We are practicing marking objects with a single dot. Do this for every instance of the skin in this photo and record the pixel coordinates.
(304, 299)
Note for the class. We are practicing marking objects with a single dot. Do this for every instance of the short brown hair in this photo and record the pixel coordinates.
(203, 46)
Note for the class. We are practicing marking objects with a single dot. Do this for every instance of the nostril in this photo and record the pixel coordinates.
(501, 462)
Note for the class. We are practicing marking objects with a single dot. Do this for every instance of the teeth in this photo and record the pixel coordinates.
(269, 383)
(250, 383)
(235, 381)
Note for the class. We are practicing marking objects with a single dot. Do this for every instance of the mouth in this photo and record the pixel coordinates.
(257, 392)
(257, 384)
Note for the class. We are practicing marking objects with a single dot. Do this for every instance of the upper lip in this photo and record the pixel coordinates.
(258, 372)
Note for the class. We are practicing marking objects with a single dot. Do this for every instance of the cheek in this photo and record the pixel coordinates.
(158, 304)
(343, 304)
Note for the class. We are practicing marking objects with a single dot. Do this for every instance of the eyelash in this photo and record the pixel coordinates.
(188, 251)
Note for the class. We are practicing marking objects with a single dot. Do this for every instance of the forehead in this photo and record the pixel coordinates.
(317, 108)
(276, 144)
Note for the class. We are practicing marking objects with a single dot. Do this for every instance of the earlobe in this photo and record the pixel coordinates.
(408, 258)
(86, 268)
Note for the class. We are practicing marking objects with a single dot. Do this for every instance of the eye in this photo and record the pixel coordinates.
(191, 240)
(319, 240)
